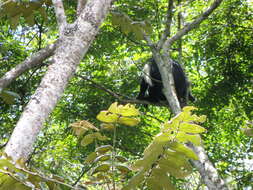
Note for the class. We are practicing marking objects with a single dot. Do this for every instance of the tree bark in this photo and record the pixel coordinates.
(74, 43)
(33, 61)
(208, 172)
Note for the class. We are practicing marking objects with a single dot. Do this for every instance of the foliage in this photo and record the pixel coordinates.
(158, 163)
(105, 163)
(217, 57)
(15, 176)
(26, 9)
(167, 155)
(128, 26)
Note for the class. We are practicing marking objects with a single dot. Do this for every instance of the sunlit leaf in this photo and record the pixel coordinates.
(81, 127)
(107, 117)
(183, 137)
(191, 128)
(202, 119)
(189, 108)
(124, 110)
(129, 121)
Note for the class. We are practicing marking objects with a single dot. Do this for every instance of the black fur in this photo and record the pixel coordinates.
(151, 84)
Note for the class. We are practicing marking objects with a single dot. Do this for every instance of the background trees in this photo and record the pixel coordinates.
(217, 57)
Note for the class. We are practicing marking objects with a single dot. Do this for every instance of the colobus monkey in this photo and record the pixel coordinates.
(151, 84)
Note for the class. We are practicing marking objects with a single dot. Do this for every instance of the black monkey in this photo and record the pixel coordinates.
(151, 84)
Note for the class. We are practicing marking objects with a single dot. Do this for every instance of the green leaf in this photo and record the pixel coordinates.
(154, 183)
(129, 121)
(122, 168)
(177, 160)
(137, 30)
(191, 128)
(189, 108)
(100, 137)
(182, 149)
(121, 158)
(167, 166)
(88, 139)
(127, 110)
(184, 137)
(151, 154)
(107, 117)
(30, 20)
(162, 178)
(103, 158)
(104, 149)
(101, 168)
(135, 181)
(116, 18)
(91, 157)
(107, 126)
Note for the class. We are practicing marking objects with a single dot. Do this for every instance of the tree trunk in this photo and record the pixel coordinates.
(73, 44)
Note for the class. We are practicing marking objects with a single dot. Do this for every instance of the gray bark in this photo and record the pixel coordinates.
(74, 43)
(33, 61)
(208, 172)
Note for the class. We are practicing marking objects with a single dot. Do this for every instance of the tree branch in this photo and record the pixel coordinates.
(80, 6)
(34, 60)
(190, 26)
(168, 22)
(206, 169)
(120, 97)
(60, 15)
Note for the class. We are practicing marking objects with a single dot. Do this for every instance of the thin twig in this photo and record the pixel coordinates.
(121, 98)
